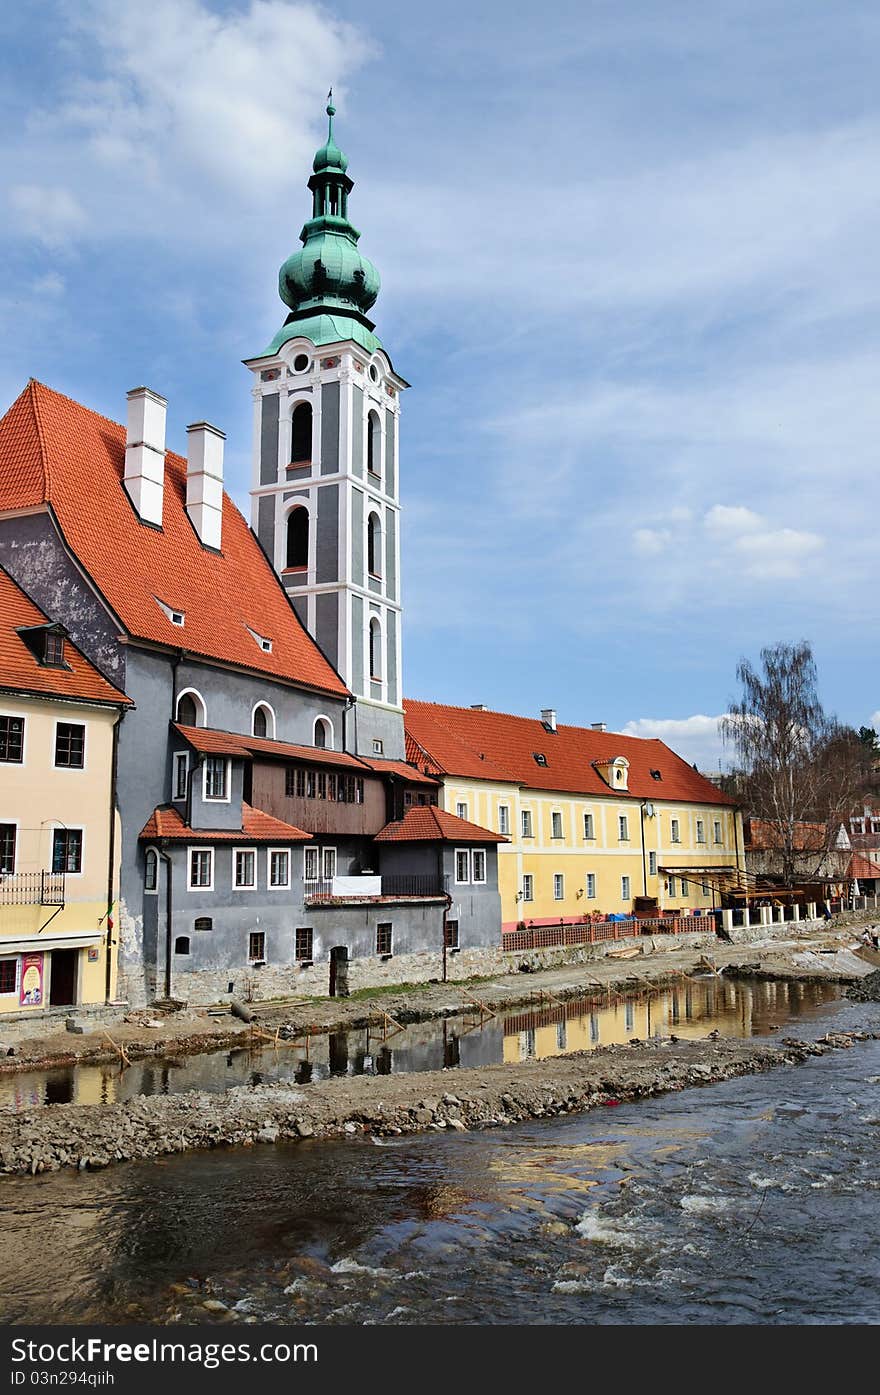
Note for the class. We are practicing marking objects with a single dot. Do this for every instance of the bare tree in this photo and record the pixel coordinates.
(800, 770)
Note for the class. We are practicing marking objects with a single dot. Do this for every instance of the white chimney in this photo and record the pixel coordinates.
(548, 717)
(204, 481)
(144, 475)
(598, 726)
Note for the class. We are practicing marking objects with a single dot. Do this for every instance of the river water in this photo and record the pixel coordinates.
(752, 1201)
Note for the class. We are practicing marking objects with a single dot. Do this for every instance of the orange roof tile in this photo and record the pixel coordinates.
(498, 746)
(20, 670)
(229, 743)
(764, 834)
(53, 450)
(859, 867)
(428, 824)
(256, 827)
(402, 769)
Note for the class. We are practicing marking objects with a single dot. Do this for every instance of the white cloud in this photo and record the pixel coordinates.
(652, 540)
(781, 554)
(724, 520)
(49, 213)
(696, 739)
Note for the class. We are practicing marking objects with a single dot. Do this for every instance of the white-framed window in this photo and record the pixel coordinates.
(672, 891)
(8, 844)
(190, 710)
(857, 825)
(70, 745)
(652, 864)
(556, 824)
(278, 869)
(67, 851)
(589, 826)
(201, 869)
(503, 818)
(322, 736)
(257, 946)
(528, 887)
(263, 721)
(591, 886)
(675, 831)
(216, 786)
(9, 968)
(244, 869)
(461, 809)
(151, 871)
(12, 738)
(716, 830)
(623, 828)
(684, 887)
(181, 774)
(701, 831)
(558, 886)
(311, 864)
(462, 866)
(328, 864)
(875, 825)
(624, 888)
(478, 866)
(378, 746)
(526, 822)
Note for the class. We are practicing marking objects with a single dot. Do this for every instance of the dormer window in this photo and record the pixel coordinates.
(53, 650)
(615, 772)
(656, 775)
(264, 643)
(177, 617)
(540, 758)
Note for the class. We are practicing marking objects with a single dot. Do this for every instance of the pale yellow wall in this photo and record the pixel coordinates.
(39, 797)
(606, 854)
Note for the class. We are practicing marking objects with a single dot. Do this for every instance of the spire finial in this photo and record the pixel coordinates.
(331, 112)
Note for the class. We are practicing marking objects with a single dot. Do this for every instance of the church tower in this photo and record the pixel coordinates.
(325, 499)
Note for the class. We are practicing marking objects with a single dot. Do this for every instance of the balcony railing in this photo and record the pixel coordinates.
(551, 936)
(372, 887)
(31, 888)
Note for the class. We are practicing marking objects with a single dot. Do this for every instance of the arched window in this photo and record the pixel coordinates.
(151, 870)
(374, 545)
(181, 944)
(374, 444)
(298, 538)
(263, 722)
(301, 433)
(323, 736)
(190, 710)
(375, 651)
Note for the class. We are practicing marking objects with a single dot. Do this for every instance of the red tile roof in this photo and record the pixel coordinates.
(861, 868)
(53, 450)
(230, 743)
(428, 824)
(400, 768)
(21, 671)
(256, 827)
(500, 747)
(760, 834)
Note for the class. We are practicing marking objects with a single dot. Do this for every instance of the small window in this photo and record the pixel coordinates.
(328, 864)
(705, 888)
(716, 830)
(528, 887)
(216, 777)
(450, 934)
(310, 864)
(589, 828)
(558, 887)
(181, 771)
(656, 775)
(203, 923)
(555, 825)
(359, 792)
(701, 831)
(70, 745)
(323, 734)
(260, 722)
(181, 944)
(279, 868)
(8, 975)
(67, 850)
(623, 828)
(503, 818)
(478, 865)
(151, 870)
(383, 939)
(12, 740)
(191, 711)
(53, 650)
(540, 758)
(201, 869)
(461, 810)
(378, 747)
(527, 823)
(857, 825)
(462, 866)
(624, 888)
(304, 942)
(591, 886)
(7, 848)
(257, 946)
(676, 831)
(322, 784)
(652, 864)
(301, 363)
(245, 869)
(685, 887)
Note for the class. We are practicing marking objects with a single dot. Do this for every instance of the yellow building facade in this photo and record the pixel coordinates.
(59, 845)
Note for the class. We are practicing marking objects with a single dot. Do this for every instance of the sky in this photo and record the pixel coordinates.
(629, 266)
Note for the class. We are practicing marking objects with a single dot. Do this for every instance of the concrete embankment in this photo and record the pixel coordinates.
(95, 1136)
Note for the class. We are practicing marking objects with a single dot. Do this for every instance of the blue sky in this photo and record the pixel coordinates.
(629, 262)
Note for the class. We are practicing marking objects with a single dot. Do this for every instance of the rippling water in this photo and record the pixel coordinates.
(752, 1201)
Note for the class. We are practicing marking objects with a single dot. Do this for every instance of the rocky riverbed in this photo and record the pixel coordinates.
(96, 1136)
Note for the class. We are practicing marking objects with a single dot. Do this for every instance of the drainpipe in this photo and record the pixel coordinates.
(447, 907)
(111, 857)
(168, 922)
(644, 863)
(346, 708)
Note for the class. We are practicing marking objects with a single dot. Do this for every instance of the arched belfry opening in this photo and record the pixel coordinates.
(297, 550)
(301, 434)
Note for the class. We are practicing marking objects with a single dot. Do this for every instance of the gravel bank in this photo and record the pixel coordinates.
(95, 1136)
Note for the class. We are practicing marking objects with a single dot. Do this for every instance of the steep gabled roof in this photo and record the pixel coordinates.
(21, 671)
(428, 824)
(55, 451)
(860, 868)
(256, 827)
(482, 745)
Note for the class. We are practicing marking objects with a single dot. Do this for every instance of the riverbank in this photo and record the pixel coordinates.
(825, 955)
(96, 1136)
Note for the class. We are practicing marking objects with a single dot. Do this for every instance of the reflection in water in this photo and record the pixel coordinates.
(696, 1007)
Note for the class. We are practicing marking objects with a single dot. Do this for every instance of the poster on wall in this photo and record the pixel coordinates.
(31, 994)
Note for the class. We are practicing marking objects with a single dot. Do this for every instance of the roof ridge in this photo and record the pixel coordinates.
(33, 384)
